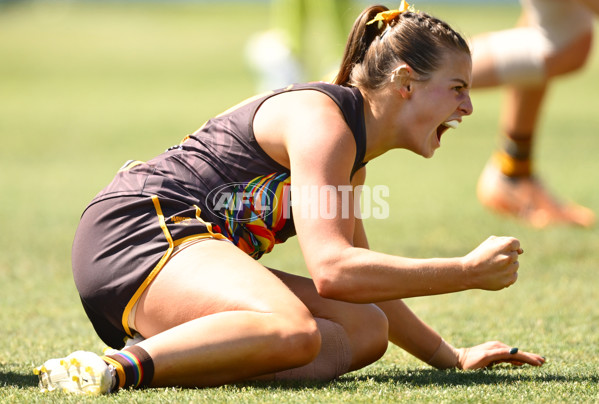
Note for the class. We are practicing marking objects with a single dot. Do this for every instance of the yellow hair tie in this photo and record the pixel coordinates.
(386, 17)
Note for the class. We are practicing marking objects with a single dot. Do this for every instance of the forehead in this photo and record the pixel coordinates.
(455, 65)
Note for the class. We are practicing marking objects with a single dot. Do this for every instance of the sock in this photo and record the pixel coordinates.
(134, 367)
(514, 156)
(333, 360)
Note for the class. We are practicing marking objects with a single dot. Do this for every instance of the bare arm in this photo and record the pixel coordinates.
(407, 331)
(320, 151)
(414, 336)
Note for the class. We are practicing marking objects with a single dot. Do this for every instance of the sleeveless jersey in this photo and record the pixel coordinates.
(218, 183)
(240, 190)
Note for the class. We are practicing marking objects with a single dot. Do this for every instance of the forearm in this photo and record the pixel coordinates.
(410, 333)
(362, 276)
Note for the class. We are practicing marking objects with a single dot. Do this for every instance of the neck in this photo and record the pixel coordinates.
(380, 136)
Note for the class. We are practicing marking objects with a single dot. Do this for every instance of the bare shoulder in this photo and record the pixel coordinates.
(301, 124)
(288, 110)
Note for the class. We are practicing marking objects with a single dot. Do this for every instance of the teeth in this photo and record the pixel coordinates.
(451, 124)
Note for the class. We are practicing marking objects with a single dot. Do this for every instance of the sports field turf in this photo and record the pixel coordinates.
(85, 87)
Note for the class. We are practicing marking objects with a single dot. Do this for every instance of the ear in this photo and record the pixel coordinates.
(402, 77)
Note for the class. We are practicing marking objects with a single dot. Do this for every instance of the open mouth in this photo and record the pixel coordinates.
(451, 124)
(441, 129)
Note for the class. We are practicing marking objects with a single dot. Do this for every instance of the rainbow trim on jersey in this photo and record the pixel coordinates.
(256, 211)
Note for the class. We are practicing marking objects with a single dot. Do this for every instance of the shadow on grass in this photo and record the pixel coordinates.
(432, 377)
(428, 377)
(8, 378)
(415, 378)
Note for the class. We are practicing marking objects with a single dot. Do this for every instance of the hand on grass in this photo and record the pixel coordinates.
(494, 352)
(493, 265)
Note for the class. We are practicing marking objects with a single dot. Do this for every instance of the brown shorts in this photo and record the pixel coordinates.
(121, 244)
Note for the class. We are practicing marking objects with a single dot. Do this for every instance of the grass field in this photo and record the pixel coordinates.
(84, 87)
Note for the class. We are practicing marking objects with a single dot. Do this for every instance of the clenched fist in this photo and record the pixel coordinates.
(493, 265)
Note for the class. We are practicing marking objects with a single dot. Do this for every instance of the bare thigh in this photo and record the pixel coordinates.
(208, 278)
(365, 324)
(215, 277)
(571, 57)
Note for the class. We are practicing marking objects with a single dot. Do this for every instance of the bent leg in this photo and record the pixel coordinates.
(365, 325)
(213, 316)
(553, 37)
(508, 183)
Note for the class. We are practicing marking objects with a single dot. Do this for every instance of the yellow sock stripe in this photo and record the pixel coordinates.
(155, 271)
(517, 145)
(510, 166)
(119, 370)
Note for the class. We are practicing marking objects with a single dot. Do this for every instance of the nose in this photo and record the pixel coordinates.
(466, 107)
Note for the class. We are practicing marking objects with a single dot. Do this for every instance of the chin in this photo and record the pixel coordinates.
(428, 153)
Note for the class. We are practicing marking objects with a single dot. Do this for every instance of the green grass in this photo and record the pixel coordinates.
(84, 87)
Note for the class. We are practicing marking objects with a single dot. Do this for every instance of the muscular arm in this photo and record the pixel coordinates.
(343, 268)
(414, 336)
(410, 333)
(320, 151)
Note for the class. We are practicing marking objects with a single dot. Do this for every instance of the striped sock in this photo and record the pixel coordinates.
(514, 156)
(134, 367)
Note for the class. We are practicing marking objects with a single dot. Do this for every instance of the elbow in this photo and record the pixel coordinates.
(327, 287)
(332, 284)
(334, 275)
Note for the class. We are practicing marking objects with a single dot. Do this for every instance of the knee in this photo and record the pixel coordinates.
(583, 48)
(572, 57)
(299, 339)
(371, 338)
(379, 325)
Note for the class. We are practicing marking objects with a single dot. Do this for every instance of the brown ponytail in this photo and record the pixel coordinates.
(373, 52)
(358, 42)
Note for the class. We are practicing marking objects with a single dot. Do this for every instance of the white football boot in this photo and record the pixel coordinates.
(80, 372)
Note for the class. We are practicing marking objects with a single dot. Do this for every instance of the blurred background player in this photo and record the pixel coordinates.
(553, 37)
(299, 29)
